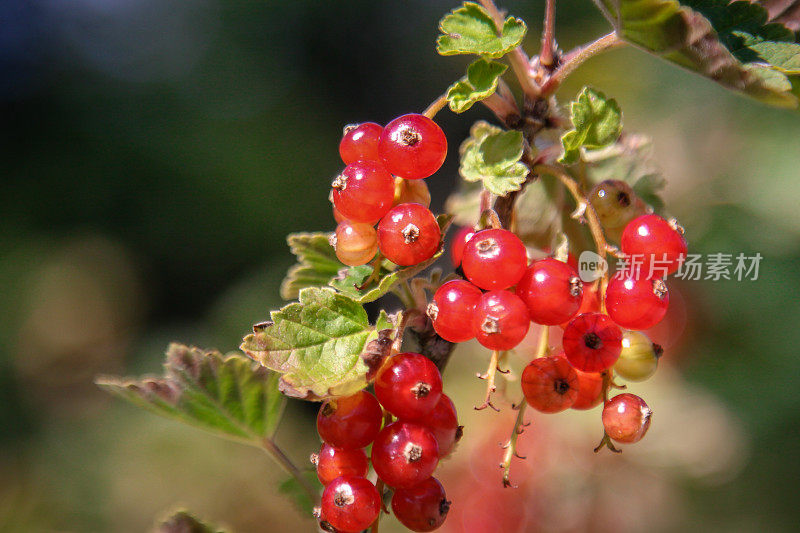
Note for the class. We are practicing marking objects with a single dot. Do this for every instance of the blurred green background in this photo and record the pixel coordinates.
(157, 153)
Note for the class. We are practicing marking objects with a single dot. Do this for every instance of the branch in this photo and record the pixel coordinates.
(274, 451)
(546, 56)
(576, 57)
(490, 386)
(436, 106)
(511, 447)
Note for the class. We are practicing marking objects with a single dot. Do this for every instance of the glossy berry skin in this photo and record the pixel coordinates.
(360, 143)
(422, 507)
(412, 146)
(411, 192)
(408, 385)
(334, 462)
(615, 203)
(409, 234)
(592, 342)
(636, 303)
(363, 192)
(351, 421)
(355, 243)
(451, 310)
(550, 384)
(500, 320)
(350, 503)
(404, 454)
(337, 216)
(590, 302)
(552, 291)
(590, 390)
(460, 240)
(660, 247)
(639, 357)
(626, 418)
(443, 423)
(494, 259)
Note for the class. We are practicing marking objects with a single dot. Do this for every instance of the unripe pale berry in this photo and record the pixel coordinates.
(411, 192)
(638, 359)
(355, 243)
(615, 203)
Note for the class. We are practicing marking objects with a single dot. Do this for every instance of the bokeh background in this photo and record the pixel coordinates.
(156, 153)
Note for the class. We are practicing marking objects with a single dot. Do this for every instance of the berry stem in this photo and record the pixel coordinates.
(436, 106)
(544, 342)
(375, 274)
(577, 56)
(517, 57)
(278, 455)
(511, 446)
(608, 382)
(489, 376)
(546, 56)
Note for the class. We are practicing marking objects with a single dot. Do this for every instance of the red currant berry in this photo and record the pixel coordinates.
(443, 423)
(363, 192)
(409, 234)
(411, 192)
(636, 303)
(460, 240)
(350, 503)
(422, 507)
(590, 390)
(452, 304)
(494, 259)
(335, 462)
(500, 320)
(552, 291)
(550, 384)
(412, 146)
(592, 342)
(337, 216)
(360, 143)
(590, 302)
(355, 243)
(657, 243)
(404, 454)
(408, 385)
(351, 421)
(639, 357)
(626, 418)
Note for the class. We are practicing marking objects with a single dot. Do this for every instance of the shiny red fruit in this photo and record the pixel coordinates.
(443, 423)
(363, 192)
(422, 507)
(404, 454)
(552, 291)
(636, 303)
(360, 143)
(550, 384)
(500, 320)
(351, 421)
(408, 385)
(590, 302)
(451, 310)
(412, 146)
(626, 418)
(494, 259)
(657, 245)
(460, 240)
(350, 503)
(592, 342)
(409, 234)
(590, 390)
(334, 462)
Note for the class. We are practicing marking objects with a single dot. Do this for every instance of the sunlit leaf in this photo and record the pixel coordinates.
(596, 122)
(316, 263)
(492, 156)
(479, 84)
(470, 30)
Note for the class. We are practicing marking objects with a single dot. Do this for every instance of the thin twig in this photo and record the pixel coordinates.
(544, 342)
(546, 56)
(608, 381)
(576, 57)
(490, 386)
(436, 106)
(517, 57)
(274, 451)
(511, 446)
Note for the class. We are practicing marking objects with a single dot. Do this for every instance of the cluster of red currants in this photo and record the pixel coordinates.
(382, 183)
(404, 454)
(550, 292)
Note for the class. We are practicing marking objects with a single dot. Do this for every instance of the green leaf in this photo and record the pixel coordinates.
(596, 122)
(492, 156)
(228, 395)
(479, 83)
(323, 345)
(349, 279)
(316, 263)
(292, 489)
(470, 30)
(630, 159)
(715, 38)
(182, 521)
